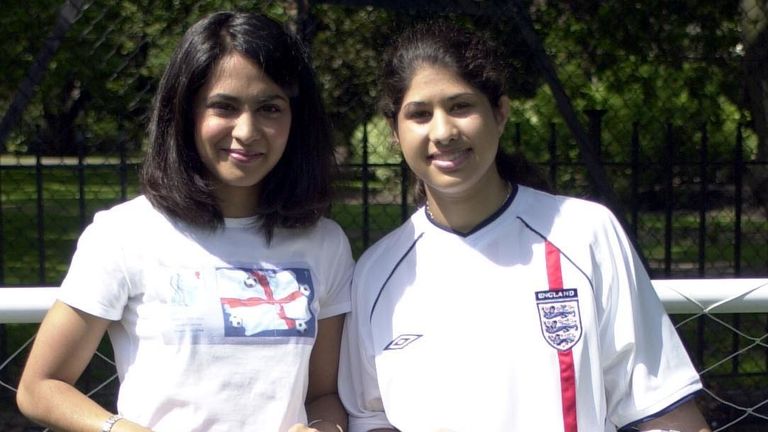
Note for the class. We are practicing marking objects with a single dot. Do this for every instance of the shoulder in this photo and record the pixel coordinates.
(127, 220)
(556, 216)
(386, 252)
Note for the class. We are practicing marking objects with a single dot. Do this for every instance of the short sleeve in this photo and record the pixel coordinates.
(339, 266)
(96, 282)
(358, 382)
(646, 367)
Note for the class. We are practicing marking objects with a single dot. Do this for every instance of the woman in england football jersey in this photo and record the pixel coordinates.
(497, 306)
(222, 287)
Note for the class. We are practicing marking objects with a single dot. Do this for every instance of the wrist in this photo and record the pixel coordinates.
(325, 425)
(110, 422)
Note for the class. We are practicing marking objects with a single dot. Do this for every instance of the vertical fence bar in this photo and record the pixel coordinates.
(595, 130)
(703, 190)
(365, 180)
(40, 215)
(552, 147)
(121, 145)
(81, 182)
(669, 152)
(404, 185)
(635, 178)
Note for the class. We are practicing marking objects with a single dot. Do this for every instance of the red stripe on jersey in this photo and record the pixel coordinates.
(567, 371)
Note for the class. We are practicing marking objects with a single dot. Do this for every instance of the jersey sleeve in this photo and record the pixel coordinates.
(338, 273)
(96, 281)
(646, 367)
(358, 383)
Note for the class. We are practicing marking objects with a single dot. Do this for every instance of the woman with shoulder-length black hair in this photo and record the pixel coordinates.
(173, 176)
(222, 287)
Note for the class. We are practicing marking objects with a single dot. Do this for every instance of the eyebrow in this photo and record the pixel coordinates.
(418, 103)
(259, 99)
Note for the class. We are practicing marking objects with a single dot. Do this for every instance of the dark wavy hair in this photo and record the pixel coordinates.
(474, 57)
(297, 191)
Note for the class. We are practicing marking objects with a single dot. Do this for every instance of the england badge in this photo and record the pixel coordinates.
(559, 317)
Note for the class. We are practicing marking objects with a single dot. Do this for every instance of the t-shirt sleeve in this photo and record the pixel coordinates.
(358, 383)
(96, 282)
(646, 367)
(340, 265)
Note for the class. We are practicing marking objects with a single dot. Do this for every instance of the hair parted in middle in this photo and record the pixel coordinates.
(297, 191)
(471, 55)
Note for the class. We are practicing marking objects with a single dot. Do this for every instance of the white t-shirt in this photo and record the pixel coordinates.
(475, 332)
(213, 330)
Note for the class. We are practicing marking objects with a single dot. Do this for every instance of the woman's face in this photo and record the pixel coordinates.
(449, 132)
(242, 123)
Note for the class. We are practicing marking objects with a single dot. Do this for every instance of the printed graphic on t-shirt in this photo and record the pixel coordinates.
(559, 317)
(266, 302)
(239, 305)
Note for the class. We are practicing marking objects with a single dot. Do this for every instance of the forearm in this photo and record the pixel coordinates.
(685, 418)
(329, 409)
(60, 406)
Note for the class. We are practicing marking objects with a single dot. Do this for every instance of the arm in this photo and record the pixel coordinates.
(65, 343)
(685, 418)
(322, 396)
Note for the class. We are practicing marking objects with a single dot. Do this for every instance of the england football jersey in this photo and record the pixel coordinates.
(541, 318)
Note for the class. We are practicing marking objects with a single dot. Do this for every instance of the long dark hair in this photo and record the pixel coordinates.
(474, 57)
(298, 189)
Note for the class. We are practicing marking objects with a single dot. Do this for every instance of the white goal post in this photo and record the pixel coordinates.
(684, 296)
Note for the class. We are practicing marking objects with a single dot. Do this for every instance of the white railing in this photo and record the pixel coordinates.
(692, 297)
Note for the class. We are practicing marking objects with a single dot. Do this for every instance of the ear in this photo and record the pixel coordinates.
(502, 112)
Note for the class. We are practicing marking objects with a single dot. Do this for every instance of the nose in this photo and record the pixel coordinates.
(442, 129)
(246, 128)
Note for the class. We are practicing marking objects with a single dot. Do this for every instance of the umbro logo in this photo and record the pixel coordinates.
(401, 342)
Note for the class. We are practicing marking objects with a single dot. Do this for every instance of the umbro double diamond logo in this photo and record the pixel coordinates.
(401, 342)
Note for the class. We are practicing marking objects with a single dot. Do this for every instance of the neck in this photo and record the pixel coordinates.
(464, 212)
(237, 202)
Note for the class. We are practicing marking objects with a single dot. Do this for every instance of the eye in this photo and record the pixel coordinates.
(271, 109)
(461, 106)
(418, 115)
(222, 108)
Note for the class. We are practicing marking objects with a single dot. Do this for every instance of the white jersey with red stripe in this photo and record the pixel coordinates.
(542, 318)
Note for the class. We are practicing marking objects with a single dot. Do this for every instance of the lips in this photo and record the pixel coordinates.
(243, 156)
(449, 160)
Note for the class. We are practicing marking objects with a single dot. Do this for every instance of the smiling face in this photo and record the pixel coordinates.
(242, 123)
(449, 133)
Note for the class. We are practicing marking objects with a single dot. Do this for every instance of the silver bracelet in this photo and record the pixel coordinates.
(108, 423)
(316, 421)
